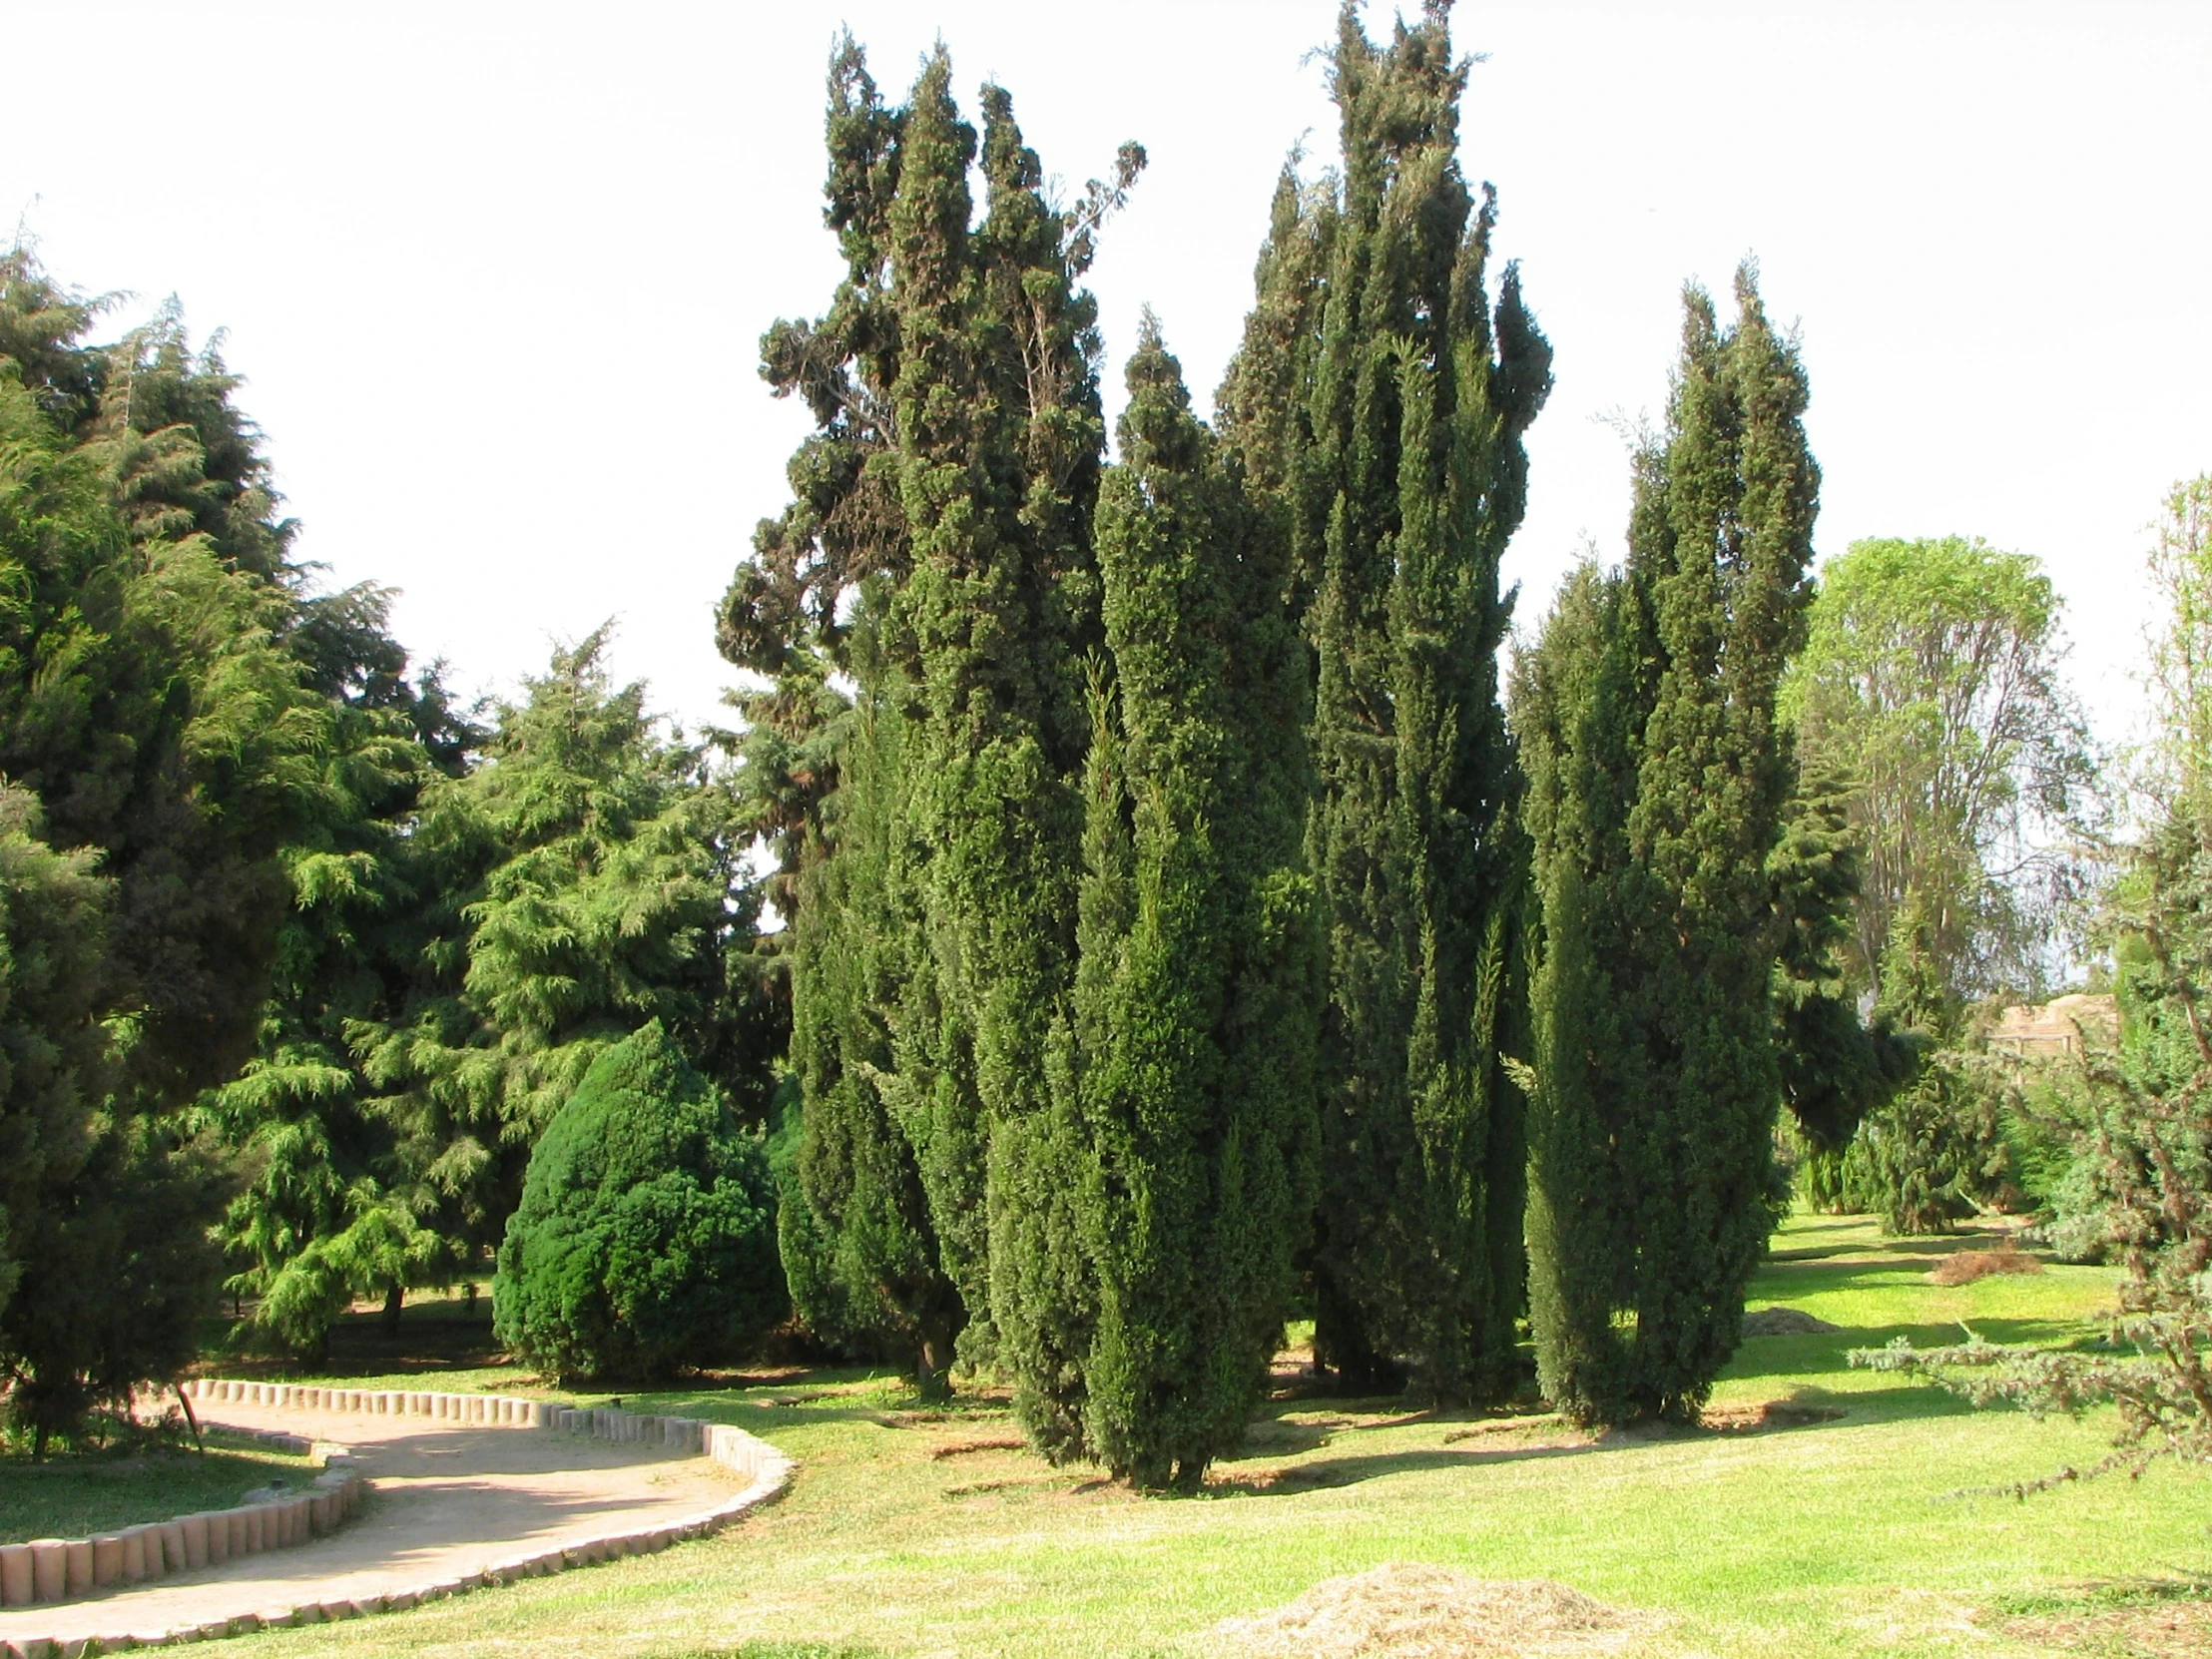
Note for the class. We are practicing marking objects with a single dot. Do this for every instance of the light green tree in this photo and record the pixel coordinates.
(1930, 685)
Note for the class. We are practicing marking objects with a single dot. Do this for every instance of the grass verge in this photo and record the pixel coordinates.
(84, 1492)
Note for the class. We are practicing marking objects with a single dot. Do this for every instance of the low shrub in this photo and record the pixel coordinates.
(645, 1243)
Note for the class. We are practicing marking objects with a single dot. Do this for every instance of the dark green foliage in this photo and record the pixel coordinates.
(645, 1241)
(1201, 969)
(942, 514)
(121, 1272)
(860, 1245)
(821, 777)
(55, 1062)
(582, 880)
(998, 470)
(325, 1212)
(1659, 787)
(1833, 1067)
(1378, 407)
(167, 744)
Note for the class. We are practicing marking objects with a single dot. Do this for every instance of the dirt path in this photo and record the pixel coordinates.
(449, 1501)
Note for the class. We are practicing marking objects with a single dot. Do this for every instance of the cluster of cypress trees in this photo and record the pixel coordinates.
(1378, 406)
(1176, 925)
(1156, 893)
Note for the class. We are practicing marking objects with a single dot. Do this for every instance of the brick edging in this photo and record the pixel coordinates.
(767, 1473)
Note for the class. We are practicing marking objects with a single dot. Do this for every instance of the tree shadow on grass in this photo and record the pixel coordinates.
(1828, 1352)
(778, 1650)
(1352, 1468)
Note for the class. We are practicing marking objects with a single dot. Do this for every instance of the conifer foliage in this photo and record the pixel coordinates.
(1052, 953)
(947, 497)
(644, 1240)
(1378, 406)
(1201, 967)
(1658, 789)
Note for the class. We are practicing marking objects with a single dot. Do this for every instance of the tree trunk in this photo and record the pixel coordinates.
(393, 1295)
(933, 1359)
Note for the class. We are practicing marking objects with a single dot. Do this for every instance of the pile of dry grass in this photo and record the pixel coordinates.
(1417, 1612)
(1784, 1322)
(1965, 1266)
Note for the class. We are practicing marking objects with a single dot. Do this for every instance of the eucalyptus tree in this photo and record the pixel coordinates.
(1930, 684)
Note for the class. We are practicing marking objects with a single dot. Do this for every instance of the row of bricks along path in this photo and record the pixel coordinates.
(449, 1500)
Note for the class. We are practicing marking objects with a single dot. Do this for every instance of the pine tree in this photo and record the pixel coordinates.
(1381, 405)
(1201, 967)
(1659, 785)
(325, 1212)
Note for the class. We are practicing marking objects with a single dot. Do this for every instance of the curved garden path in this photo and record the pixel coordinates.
(450, 1500)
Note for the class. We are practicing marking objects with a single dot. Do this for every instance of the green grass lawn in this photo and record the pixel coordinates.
(922, 1532)
(81, 1493)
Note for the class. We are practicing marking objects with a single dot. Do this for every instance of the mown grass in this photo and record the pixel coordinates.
(79, 1494)
(912, 1533)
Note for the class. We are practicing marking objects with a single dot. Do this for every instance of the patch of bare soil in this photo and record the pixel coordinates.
(1529, 1424)
(1422, 1612)
(1769, 1413)
(2164, 1623)
(963, 1449)
(1965, 1266)
(1784, 1322)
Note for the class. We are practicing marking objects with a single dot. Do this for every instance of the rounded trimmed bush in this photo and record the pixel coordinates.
(646, 1237)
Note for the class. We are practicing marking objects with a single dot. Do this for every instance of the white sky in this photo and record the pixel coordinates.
(496, 273)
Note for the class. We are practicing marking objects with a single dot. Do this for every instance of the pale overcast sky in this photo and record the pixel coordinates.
(496, 273)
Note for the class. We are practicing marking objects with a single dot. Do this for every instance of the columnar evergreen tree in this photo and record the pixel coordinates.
(944, 513)
(820, 777)
(999, 433)
(1379, 407)
(1201, 967)
(1659, 785)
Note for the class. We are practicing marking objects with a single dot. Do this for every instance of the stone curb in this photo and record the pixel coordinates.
(54, 1571)
(769, 1472)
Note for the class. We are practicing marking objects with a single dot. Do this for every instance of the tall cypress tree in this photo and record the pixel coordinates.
(1660, 786)
(958, 459)
(999, 432)
(1201, 967)
(1380, 407)
(826, 779)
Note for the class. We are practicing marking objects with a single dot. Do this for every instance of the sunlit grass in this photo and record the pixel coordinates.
(76, 1494)
(906, 1532)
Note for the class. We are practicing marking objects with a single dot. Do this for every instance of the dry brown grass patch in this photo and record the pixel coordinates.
(1964, 1267)
(1769, 1413)
(1422, 1612)
(2164, 1621)
(963, 1449)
